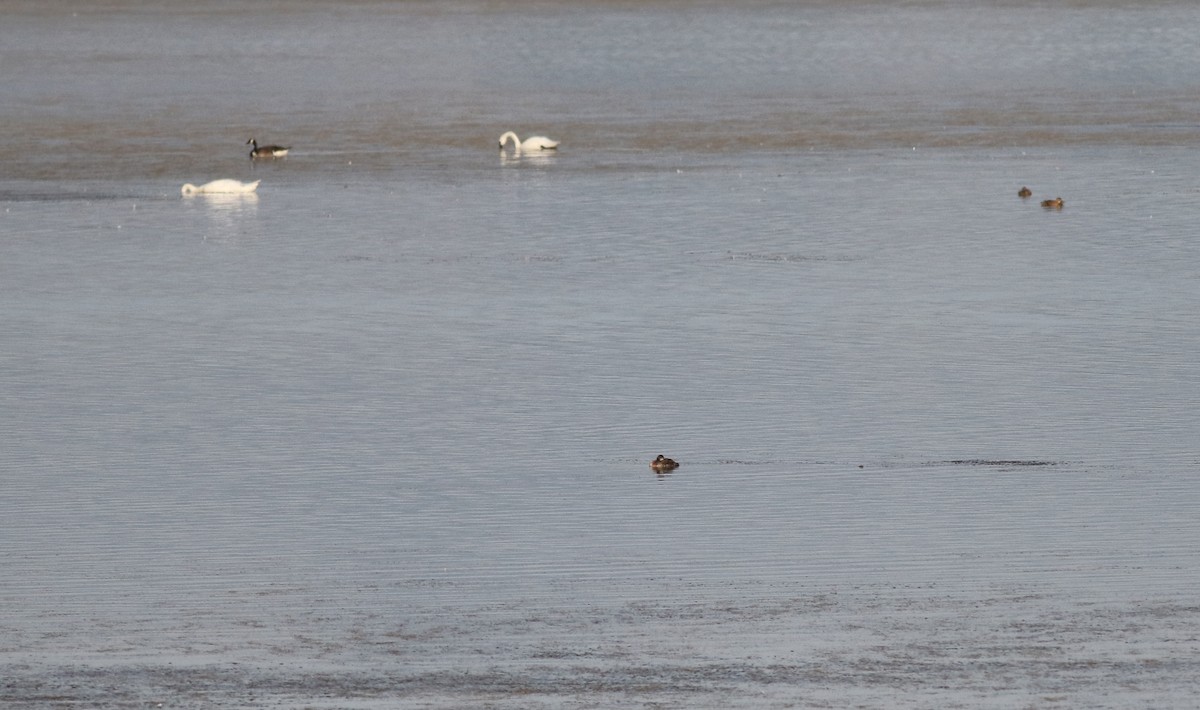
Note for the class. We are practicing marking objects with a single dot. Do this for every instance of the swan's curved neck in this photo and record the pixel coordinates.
(516, 141)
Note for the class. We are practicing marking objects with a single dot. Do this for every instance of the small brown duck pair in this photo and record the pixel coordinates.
(1055, 204)
(662, 463)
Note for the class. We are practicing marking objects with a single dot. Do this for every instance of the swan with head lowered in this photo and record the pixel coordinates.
(532, 143)
(221, 187)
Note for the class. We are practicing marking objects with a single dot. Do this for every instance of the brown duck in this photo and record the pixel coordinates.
(662, 463)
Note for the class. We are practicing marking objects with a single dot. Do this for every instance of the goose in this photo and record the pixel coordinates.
(267, 151)
(662, 463)
(531, 143)
(223, 187)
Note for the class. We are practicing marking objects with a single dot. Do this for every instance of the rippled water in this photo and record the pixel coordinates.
(378, 435)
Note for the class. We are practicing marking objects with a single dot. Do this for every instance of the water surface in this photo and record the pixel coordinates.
(378, 436)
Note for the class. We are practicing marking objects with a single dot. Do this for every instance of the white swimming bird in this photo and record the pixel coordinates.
(267, 151)
(222, 187)
(531, 143)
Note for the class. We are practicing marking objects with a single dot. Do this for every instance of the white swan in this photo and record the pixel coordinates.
(224, 187)
(267, 151)
(531, 143)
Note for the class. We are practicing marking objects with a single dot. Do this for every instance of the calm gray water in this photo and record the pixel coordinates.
(378, 435)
